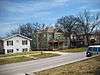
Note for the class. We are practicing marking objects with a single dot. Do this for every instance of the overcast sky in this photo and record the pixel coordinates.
(14, 12)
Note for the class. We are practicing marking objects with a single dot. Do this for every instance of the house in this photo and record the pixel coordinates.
(16, 43)
(1, 46)
(97, 37)
(50, 39)
(80, 40)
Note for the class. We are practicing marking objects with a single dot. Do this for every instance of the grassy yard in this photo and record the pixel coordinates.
(23, 53)
(86, 67)
(74, 50)
(26, 56)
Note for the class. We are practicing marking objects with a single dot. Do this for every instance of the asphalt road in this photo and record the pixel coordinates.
(41, 64)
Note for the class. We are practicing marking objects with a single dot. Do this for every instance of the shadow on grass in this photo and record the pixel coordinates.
(97, 71)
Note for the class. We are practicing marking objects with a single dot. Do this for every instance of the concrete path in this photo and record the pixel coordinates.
(57, 52)
(41, 64)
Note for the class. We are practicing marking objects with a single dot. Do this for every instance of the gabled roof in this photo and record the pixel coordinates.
(17, 35)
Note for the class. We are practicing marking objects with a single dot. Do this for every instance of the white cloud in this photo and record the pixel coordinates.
(95, 10)
(32, 6)
(61, 1)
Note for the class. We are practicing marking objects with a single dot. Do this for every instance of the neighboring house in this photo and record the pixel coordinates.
(16, 43)
(1, 46)
(53, 39)
(97, 37)
(80, 39)
(50, 39)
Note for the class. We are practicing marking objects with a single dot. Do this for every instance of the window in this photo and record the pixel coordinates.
(9, 50)
(25, 50)
(95, 49)
(9, 43)
(24, 42)
(90, 49)
(99, 49)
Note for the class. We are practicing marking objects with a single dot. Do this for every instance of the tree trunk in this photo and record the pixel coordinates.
(69, 42)
(87, 40)
(87, 37)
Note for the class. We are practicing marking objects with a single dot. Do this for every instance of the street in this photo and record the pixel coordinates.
(40, 64)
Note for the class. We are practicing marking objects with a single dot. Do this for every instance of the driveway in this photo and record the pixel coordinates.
(40, 64)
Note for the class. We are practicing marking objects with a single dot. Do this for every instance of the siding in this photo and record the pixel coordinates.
(17, 44)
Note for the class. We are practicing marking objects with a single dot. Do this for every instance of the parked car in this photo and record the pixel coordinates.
(92, 50)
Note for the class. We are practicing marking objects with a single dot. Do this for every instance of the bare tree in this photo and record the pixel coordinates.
(68, 25)
(37, 38)
(25, 29)
(41, 37)
(88, 22)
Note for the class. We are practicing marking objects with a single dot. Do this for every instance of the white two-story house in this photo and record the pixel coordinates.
(16, 43)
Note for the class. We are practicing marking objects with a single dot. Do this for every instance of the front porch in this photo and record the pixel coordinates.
(55, 45)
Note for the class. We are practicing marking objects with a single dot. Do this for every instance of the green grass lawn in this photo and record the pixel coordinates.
(23, 53)
(87, 67)
(74, 50)
(26, 56)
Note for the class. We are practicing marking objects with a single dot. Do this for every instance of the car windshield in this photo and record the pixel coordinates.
(90, 49)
